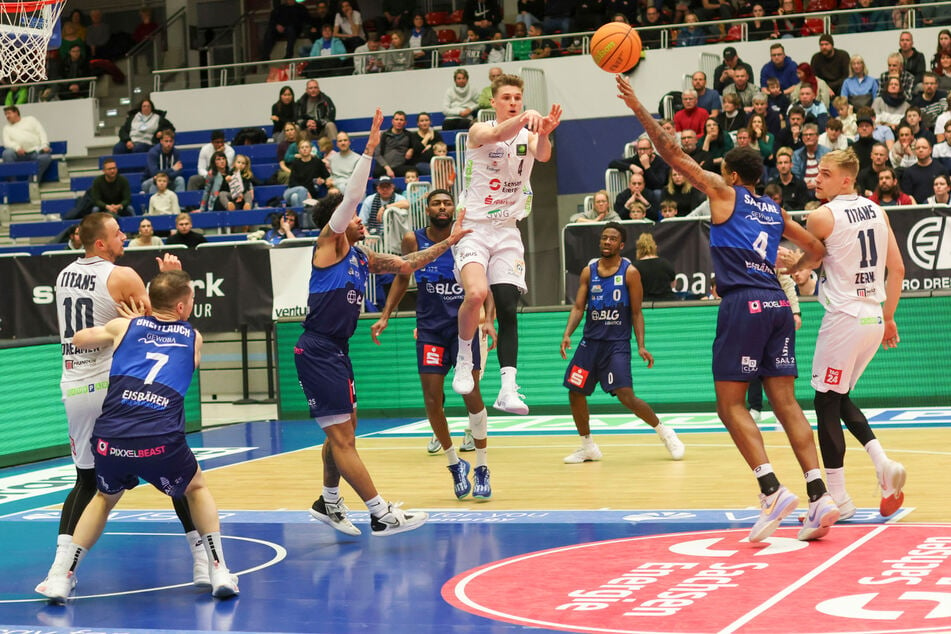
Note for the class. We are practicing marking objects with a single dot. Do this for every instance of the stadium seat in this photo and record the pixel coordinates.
(446, 36)
(735, 34)
(437, 18)
(450, 58)
(813, 26)
(456, 17)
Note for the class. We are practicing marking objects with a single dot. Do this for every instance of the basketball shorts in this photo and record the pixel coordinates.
(166, 462)
(497, 247)
(325, 374)
(83, 405)
(756, 335)
(599, 360)
(436, 351)
(844, 347)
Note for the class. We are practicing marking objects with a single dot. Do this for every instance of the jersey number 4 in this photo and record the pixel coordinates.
(76, 316)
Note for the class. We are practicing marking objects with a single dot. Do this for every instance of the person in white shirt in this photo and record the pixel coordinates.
(217, 144)
(833, 138)
(24, 139)
(163, 201)
(342, 162)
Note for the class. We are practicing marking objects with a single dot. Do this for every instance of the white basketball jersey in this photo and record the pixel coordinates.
(497, 179)
(853, 270)
(83, 301)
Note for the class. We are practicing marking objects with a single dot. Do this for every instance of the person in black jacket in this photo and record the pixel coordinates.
(142, 128)
(73, 67)
(320, 107)
(288, 21)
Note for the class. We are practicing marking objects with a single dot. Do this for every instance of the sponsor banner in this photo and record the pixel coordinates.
(685, 243)
(232, 288)
(290, 279)
(924, 237)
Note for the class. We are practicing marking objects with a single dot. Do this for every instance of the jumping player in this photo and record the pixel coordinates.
(141, 430)
(499, 159)
(437, 302)
(862, 268)
(87, 293)
(339, 271)
(755, 330)
(609, 296)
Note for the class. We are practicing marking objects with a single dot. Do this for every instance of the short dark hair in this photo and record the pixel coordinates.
(168, 288)
(325, 208)
(11, 109)
(796, 110)
(217, 135)
(617, 226)
(745, 162)
(434, 192)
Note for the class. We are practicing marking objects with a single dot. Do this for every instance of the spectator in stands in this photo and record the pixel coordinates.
(146, 236)
(635, 191)
(163, 201)
(896, 69)
(557, 16)
(830, 64)
(942, 150)
(691, 35)
(742, 88)
(214, 197)
(889, 193)
(374, 205)
(397, 15)
(343, 162)
(424, 137)
(282, 111)
(521, 48)
(421, 35)
(865, 123)
(806, 159)
(688, 143)
(707, 98)
(781, 67)
(348, 26)
(691, 117)
(940, 189)
(17, 95)
(145, 27)
(914, 60)
(788, 26)
(184, 234)
(326, 50)
(73, 32)
(24, 139)
(75, 243)
(776, 99)
(867, 179)
(473, 52)
(308, 177)
(657, 273)
(485, 95)
(318, 105)
(860, 89)
(283, 226)
(773, 120)
(833, 138)
(791, 135)
(98, 34)
(761, 28)
(732, 118)
(715, 143)
(287, 22)
(482, 16)
(369, 56)
(287, 152)
(685, 197)
(646, 162)
(398, 57)
(216, 144)
(541, 48)
(944, 46)
(110, 191)
(913, 120)
(531, 12)
(142, 128)
(74, 66)
(320, 16)
(815, 111)
(890, 105)
(823, 93)
(637, 211)
(394, 154)
(649, 31)
(795, 194)
(846, 115)
(600, 210)
(589, 15)
(241, 184)
(668, 209)
(761, 138)
(943, 71)
(867, 21)
(918, 179)
(164, 157)
(930, 101)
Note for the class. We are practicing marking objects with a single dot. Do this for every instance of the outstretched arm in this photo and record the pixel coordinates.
(110, 334)
(397, 291)
(389, 263)
(540, 144)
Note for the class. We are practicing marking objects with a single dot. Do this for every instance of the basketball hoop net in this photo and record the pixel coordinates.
(25, 32)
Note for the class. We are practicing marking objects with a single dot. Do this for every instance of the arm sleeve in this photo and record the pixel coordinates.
(354, 193)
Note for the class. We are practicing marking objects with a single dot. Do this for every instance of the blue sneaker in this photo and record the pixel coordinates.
(784, 502)
(481, 489)
(460, 478)
(823, 513)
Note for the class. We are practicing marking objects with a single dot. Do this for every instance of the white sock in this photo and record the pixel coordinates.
(763, 469)
(451, 456)
(465, 350)
(835, 480)
(508, 377)
(213, 549)
(331, 494)
(72, 555)
(377, 506)
(812, 475)
(195, 544)
(660, 429)
(481, 457)
(587, 441)
(62, 544)
(877, 454)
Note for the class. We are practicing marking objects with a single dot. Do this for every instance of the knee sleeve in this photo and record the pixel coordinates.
(479, 425)
(855, 421)
(831, 438)
(506, 308)
(76, 501)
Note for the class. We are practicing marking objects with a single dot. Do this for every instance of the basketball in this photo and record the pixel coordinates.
(616, 47)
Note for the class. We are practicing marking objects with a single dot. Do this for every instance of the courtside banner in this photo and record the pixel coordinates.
(290, 279)
(232, 288)
(685, 243)
(924, 237)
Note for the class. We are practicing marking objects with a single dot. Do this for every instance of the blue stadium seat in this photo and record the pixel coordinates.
(57, 206)
(14, 192)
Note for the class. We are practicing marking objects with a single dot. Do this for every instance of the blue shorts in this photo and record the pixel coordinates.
(325, 374)
(756, 336)
(436, 351)
(600, 360)
(166, 462)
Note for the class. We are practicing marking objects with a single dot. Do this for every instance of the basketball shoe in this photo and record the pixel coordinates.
(57, 586)
(481, 489)
(822, 514)
(462, 382)
(846, 508)
(891, 479)
(585, 453)
(434, 445)
(509, 400)
(333, 514)
(468, 442)
(783, 503)
(673, 444)
(396, 520)
(223, 583)
(460, 478)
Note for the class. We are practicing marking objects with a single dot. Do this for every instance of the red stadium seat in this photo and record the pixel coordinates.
(847, 4)
(455, 17)
(435, 18)
(735, 34)
(813, 26)
(385, 40)
(446, 36)
(821, 5)
(451, 57)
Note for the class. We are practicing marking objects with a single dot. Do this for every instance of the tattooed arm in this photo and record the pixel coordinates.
(406, 264)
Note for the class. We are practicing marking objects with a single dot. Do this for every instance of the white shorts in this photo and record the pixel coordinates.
(82, 409)
(844, 348)
(497, 247)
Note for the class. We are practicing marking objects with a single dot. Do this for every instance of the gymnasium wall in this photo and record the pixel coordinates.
(32, 420)
(679, 337)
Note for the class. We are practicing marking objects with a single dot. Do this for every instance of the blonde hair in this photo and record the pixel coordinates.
(646, 245)
(685, 188)
(857, 58)
(246, 172)
(846, 160)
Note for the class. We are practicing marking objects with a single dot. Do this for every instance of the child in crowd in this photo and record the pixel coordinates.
(446, 178)
(668, 209)
(637, 210)
(777, 100)
(240, 193)
(163, 201)
(846, 114)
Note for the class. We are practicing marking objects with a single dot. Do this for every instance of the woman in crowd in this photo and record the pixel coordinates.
(808, 76)
(141, 128)
(943, 71)
(398, 57)
(146, 236)
(715, 143)
(657, 273)
(902, 154)
(421, 35)
(761, 28)
(308, 177)
(286, 151)
(216, 195)
(890, 105)
(348, 26)
(944, 46)
(424, 138)
(601, 210)
(942, 191)
(681, 192)
(283, 226)
(859, 88)
(761, 138)
(283, 111)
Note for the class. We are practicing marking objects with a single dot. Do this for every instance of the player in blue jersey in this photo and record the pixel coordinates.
(339, 271)
(609, 297)
(439, 296)
(141, 430)
(755, 329)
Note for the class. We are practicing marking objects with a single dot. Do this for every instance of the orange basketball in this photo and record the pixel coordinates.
(616, 47)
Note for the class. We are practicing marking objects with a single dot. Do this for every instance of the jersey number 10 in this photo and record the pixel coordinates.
(79, 314)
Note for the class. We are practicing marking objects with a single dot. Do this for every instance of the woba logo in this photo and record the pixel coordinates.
(929, 243)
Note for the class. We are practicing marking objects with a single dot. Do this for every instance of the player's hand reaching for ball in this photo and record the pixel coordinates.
(550, 122)
(626, 91)
(169, 262)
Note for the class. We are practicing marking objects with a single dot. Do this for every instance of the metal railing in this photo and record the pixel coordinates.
(35, 89)
(148, 52)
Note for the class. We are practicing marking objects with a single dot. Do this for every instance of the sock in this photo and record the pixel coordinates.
(508, 377)
(815, 487)
(72, 555)
(331, 494)
(62, 550)
(377, 506)
(451, 456)
(465, 350)
(479, 424)
(768, 482)
(836, 482)
(587, 441)
(877, 454)
(481, 457)
(195, 544)
(660, 429)
(216, 555)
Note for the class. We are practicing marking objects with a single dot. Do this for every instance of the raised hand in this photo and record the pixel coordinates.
(550, 122)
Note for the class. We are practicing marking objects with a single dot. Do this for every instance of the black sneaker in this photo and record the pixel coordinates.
(396, 520)
(333, 514)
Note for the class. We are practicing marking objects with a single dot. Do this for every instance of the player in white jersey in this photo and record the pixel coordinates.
(499, 159)
(87, 294)
(862, 269)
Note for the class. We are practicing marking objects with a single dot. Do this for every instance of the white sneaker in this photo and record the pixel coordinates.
(223, 583)
(589, 453)
(57, 586)
(757, 415)
(434, 445)
(822, 514)
(200, 568)
(396, 520)
(333, 514)
(509, 400)
(673, 444)
(462, 382)
(468, 442)
(771, 514)
(846, 509)
(892, 481)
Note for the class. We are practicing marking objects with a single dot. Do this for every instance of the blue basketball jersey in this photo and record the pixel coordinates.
(744, 247)
(152, 368)
(609, 305)
(336, 295)
(439, 295)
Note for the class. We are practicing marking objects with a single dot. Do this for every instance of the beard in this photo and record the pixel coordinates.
(440, 223)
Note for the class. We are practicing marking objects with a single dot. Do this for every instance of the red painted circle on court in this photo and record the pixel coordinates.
(887, 578)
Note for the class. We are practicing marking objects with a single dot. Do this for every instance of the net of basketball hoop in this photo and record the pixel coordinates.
(25, 32)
